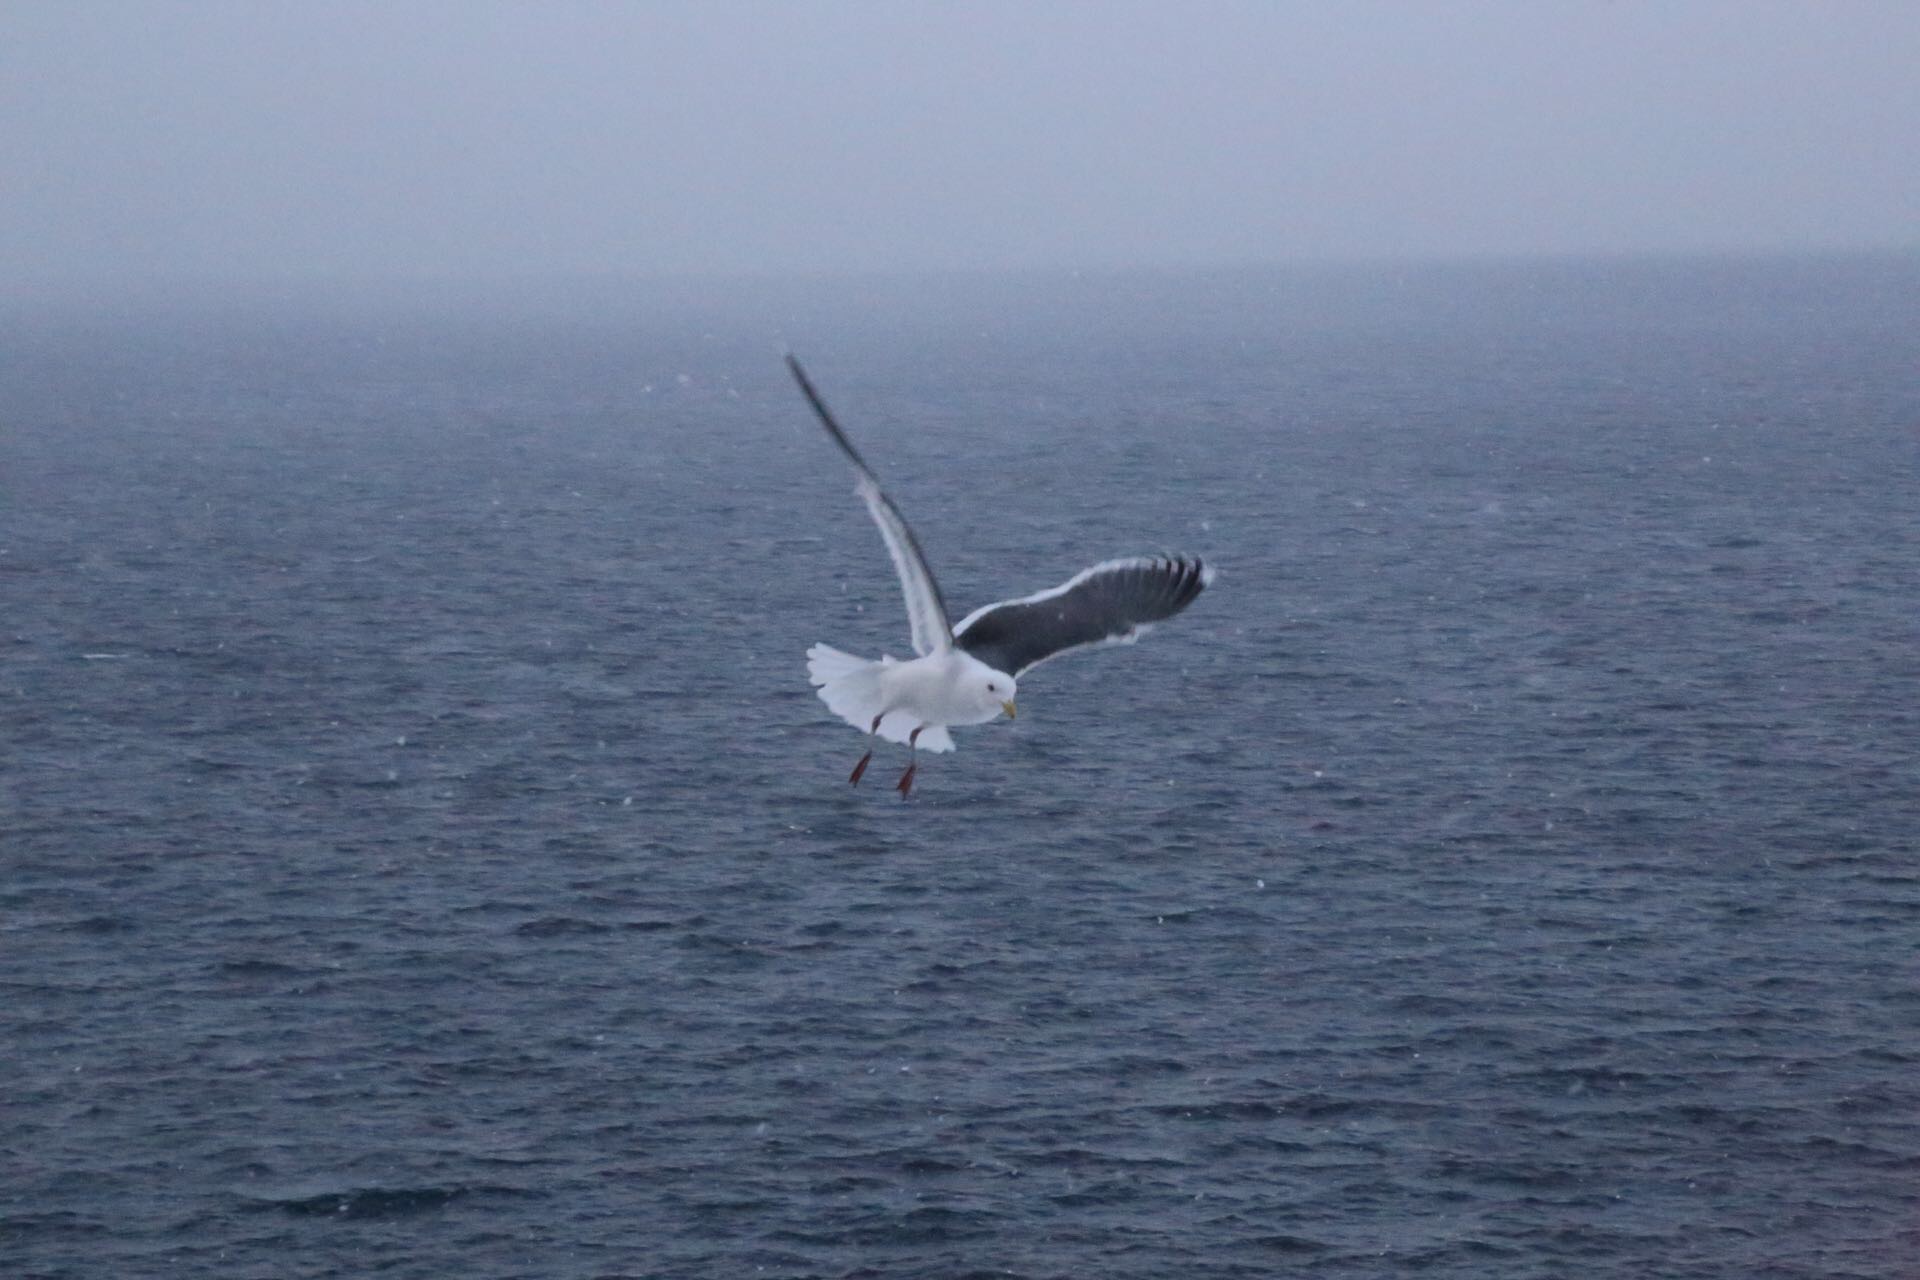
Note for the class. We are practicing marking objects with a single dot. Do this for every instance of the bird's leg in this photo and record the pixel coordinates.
(861, 768)
(913, 762)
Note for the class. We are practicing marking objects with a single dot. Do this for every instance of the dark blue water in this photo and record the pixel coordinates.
(423, 856)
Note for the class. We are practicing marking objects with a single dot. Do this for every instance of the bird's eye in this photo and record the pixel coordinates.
(992, 687)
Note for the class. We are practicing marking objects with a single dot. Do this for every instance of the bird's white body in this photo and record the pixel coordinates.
(928, 693)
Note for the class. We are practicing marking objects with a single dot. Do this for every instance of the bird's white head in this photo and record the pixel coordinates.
(995, 690)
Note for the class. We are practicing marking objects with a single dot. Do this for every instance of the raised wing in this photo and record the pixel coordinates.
(926, 611)
(1108, 604)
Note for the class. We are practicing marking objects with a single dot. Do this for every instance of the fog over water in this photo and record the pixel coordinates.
(227, 141)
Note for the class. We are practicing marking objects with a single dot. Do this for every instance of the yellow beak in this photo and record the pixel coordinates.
(1008, 708)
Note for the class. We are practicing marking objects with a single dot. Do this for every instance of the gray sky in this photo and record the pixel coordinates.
(379, 138)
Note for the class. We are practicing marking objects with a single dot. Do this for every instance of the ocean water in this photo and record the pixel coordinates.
(421, 854)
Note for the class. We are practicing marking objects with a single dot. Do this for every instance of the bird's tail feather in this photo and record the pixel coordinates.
(826, 664)
(855, 690)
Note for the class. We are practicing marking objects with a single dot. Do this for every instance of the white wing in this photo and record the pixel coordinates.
(926, 611)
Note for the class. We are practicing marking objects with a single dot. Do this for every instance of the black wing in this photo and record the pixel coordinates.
(1107, 604)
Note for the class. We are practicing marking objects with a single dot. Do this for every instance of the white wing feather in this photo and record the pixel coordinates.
(926, 611)
(925, 615)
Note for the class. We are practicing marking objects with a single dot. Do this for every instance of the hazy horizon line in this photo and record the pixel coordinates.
(194, 285)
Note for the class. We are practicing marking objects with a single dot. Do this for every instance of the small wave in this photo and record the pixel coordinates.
(252, 968)
(559, 926)
(60, 1222)
(101, 924)
(375, 1202)
(1286, 1244)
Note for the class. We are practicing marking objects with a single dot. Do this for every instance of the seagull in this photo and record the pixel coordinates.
(968, 674)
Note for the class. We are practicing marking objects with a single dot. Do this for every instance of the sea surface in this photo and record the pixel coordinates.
(422, 856)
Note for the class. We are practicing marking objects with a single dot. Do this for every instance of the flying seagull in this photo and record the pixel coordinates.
(966, 674)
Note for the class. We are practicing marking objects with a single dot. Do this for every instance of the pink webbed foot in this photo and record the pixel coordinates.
(913, 762)
(853, 779)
